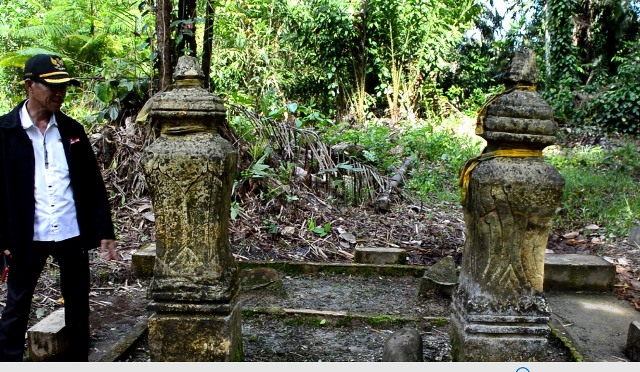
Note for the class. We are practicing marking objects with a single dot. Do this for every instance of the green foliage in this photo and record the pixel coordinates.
(321, 231)
(440, 151)
(106, 45)
(582, 45)
(589, 174)
(615, 107)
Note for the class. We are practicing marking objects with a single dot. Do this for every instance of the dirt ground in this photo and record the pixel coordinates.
(304, 320)
(427, 233)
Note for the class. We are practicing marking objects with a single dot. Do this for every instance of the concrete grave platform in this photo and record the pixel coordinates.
(595, 325)
(380, 256)
(578, 272)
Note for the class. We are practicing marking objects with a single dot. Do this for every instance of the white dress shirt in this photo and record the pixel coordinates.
(55, 214)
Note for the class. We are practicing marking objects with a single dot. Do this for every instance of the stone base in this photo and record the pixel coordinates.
(196, 337)
(496, 338)
(380, 256)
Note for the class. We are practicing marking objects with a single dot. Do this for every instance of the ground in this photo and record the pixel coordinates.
(427, 233)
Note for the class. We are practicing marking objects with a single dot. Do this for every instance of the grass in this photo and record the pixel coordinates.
(602, 187)
(602, 183)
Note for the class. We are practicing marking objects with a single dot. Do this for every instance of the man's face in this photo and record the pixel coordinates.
(48, 97)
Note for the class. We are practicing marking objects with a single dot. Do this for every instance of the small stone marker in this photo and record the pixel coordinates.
(634, 236)
(142, 261)
(380, 256)
(441, 278)
(403, 346)
(48, 339)
(633, 342)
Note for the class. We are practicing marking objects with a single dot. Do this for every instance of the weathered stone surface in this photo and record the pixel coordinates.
(196, 337)
(511, 195)
(511, 205)
(48, 339)
(633, 342)
(380, 256)
(441, 278)
(190, 179)
(189, 170)
(578, 272)
(518, 118)
(513, 345)
(403, 346)
(522, 69)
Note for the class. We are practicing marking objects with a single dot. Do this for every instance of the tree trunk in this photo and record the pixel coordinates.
(187, 28)
(207, 44)
(382, 203)
(163, 30)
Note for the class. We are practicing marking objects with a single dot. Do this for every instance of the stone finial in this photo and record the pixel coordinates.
(188, 69)
(519, 117)
(522, 70)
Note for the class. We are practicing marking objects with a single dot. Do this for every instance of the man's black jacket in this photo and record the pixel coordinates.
(17, 183)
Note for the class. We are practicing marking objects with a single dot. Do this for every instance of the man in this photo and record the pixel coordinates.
(53, 202)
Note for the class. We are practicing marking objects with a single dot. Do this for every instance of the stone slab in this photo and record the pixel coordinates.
(380, 256)
(48, 339)
(578, 272)
(596, 324)
(114, 352)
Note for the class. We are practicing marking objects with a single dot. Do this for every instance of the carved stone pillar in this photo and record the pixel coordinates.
(189, 170)
(510, 196)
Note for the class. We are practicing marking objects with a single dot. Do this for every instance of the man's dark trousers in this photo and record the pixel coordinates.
(26, 267)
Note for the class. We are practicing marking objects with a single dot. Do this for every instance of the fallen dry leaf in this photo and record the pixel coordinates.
(571, 235)
(348, 237)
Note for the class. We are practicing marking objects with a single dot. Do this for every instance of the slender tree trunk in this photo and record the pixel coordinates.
(163, 31)
(208, 44)
(187, 29)
(547, 41)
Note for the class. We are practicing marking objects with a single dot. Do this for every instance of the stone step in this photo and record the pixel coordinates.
(578, 272)
(380, 256)
(48, 339)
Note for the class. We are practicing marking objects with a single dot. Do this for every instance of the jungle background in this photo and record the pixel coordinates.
(352, 117)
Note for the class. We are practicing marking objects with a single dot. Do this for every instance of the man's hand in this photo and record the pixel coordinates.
(108, 250)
